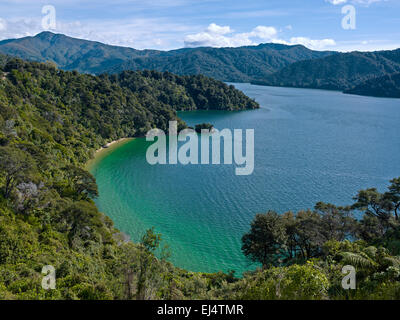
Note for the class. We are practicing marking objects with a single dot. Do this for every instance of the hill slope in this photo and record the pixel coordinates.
(226, 64)
(69, 53)
(386, 86)
(340, 71)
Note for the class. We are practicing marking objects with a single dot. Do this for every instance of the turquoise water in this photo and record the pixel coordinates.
(310, 146)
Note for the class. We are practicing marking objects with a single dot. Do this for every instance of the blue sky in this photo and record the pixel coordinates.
(169, 24)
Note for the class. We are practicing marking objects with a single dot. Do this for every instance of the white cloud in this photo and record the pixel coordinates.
(3, 25)
(360, 2)
(205, 39)
(163, 34)
(336, 2)
(213, 37)
(138, 33)
(262, 32)
(216, 29)
(313, 44)
(367, 45)
(218, 36)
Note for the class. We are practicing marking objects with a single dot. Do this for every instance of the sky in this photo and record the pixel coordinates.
(343, 25)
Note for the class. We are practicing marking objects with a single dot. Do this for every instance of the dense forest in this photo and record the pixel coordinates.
(51, 122)
(241, 64)
(340, 71)
(387, 86)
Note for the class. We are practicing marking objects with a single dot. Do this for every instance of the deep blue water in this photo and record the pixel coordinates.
(310, 146)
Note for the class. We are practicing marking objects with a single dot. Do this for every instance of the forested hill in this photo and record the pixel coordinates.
(386, 86)
(109, 107)
(340, 71)
(227, 64)
(70, 53)
(243, 64)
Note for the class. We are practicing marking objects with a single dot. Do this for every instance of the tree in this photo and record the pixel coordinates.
(381, 211)
(309, 233)
(148, 264)
(266, 240)
(295, 282)
(394, 195)
(15, 165)
(337, 222)
(83, 182)
(150, 240)
(82, 222)
(371, 228)
(289, 220)
(373, 202)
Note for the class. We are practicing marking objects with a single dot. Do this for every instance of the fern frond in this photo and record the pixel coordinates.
(358, 260)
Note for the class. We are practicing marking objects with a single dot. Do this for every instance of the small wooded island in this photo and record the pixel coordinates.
(204, 126)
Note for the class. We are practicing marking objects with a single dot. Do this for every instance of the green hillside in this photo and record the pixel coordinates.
(340, 71)
(387, 86)
(243, 64)
(69, 53)
(227, 64)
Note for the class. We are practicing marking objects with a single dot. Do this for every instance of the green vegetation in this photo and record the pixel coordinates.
(242, 64)
(51, 122)
(387, 86)
(302, 254)
(339, 71)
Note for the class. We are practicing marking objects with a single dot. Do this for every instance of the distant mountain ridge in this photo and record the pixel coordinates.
(340, 71)
(242, 64)
(266, 64)
(69, 53)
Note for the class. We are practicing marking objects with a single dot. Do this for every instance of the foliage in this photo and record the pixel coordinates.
(266, 240)
(385, 86)
(296, 282)
(340, 71)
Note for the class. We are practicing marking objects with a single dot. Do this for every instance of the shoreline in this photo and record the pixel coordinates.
(105, 150)
(108, 145)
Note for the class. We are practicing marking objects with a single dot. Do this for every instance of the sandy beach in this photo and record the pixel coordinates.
(108, 145)
(106, 149)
